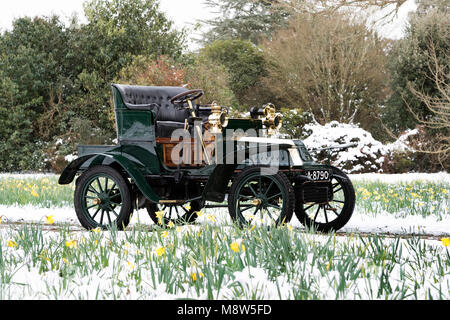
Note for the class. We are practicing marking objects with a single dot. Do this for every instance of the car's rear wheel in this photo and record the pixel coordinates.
(102, 199)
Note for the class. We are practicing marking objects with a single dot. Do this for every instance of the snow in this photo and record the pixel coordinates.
(29, 282)
(368, 155)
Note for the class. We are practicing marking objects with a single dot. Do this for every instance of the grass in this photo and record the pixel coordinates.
(218, 262)
(402, 199)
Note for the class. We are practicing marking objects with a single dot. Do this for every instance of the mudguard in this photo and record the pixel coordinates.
(222, 173)
(131, 167)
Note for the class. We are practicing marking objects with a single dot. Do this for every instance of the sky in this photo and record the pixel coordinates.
(184, 13)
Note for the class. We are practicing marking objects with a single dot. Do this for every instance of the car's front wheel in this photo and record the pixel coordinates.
(102, 199)
(329, 215)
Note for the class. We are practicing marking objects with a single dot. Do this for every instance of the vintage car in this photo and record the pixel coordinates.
(175, 157)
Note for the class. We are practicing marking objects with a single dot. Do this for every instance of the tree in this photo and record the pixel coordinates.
(244, 19)
(327, 65)
(58, 77)
(243, 61)
(409, 63)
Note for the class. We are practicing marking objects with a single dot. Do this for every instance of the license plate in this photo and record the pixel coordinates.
(318, 175)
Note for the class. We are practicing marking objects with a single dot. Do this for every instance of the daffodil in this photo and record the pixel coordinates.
(11, 243)
(96, 230)
(165, 234)
(170, 224)
(34, 193)
(211, 218)
(131, 265)
(446, 242)
(194, 276)
(159, 215)
(235, 246)
(160, 251)
(71, 244)
(50, 219)
(199, 213)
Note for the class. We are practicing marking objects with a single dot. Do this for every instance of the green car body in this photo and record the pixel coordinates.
(139, 157)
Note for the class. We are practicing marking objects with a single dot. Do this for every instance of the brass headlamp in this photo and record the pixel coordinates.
(218, 119)
(271, 120)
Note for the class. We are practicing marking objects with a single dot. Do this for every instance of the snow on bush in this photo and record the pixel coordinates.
(369, 155)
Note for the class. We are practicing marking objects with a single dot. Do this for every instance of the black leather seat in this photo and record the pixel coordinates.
(168, 116)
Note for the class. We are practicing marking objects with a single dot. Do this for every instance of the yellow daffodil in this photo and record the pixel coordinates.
(66, 261)
(159, 215)
(160, 251)
(34, 193)
(170, 224)
(71, 244)
(165, 234)
(11, 243)
(178, 229)
(446, 242)
(96, 230)
(50, 219)
(131, 265)
(199, 213)
(235, 246)
(211, 218)
(201, 274)
(194, 276)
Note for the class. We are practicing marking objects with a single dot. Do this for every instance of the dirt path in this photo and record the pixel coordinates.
(146, 227)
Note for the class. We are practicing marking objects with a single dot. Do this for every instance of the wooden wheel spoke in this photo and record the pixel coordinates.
(246, 208)
(101, 217)
(325, 212)
(95, 214)
(114, 211)
(109, 217)
(253, 191)
(112, 188)
(317, 212)
(268, 188)
(277, 195)
(99, 184)
(273, 206)
(334, 191)
(87, 208)
(92, 189)
(178, 214)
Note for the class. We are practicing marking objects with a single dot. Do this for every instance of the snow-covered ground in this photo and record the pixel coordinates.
(383, 222)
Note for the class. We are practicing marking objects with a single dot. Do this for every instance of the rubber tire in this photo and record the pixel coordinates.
(127, 208)
(345, 214)
(280, 177)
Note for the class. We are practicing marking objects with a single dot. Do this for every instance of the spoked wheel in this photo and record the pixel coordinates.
(335, 213)
(102, 199)
(260, 199)
(163, 214)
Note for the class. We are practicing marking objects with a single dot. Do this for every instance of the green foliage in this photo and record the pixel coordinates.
(244, 19)
(243, 61)
(410, 65)
(55, 79)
